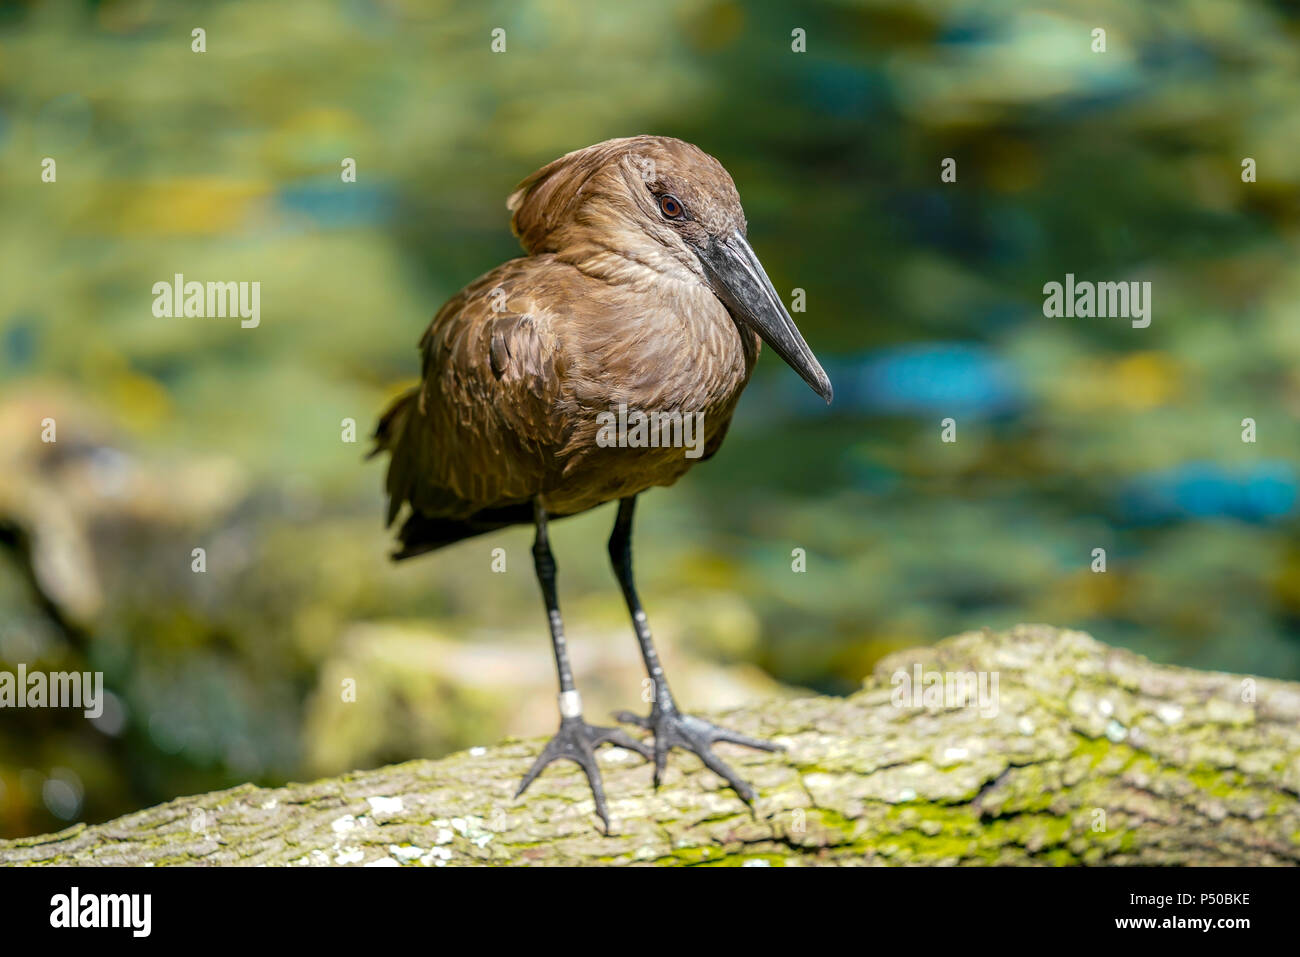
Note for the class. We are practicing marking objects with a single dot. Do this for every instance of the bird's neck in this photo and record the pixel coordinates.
(664, 344)
(625, 261)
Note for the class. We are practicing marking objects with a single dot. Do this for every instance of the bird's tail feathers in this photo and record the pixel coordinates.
(391, 422)
(388, 438)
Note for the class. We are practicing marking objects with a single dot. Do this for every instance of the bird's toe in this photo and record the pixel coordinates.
(672, 729)
(577, 741)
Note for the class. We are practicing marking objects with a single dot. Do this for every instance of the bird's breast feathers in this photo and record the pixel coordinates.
(523, 369)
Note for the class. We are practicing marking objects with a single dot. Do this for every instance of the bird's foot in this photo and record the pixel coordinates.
(577, 741)
(672, 729)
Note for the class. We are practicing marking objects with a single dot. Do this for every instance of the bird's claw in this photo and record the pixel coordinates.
(672, 729)
(577, 741)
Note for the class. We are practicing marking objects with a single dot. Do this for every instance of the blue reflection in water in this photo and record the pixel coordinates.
(951, 377)
(329, 205)
(960, 379)
(1262, 492)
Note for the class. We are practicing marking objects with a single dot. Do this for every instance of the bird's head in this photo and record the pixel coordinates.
(660, 203)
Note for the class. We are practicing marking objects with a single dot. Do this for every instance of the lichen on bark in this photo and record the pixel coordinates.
(1093, 755)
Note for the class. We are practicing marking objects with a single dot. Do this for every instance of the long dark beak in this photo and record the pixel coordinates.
(738, 279)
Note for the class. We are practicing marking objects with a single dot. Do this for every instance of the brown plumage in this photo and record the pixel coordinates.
(638, 289)
(517, 366)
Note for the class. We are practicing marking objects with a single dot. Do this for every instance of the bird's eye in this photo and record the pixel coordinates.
(670, 207)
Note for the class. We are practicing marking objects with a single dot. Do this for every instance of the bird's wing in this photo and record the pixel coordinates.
(485, 428)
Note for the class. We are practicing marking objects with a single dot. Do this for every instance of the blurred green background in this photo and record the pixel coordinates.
(924, 300)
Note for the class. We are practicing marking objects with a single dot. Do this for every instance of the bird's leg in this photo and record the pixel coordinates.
(576, 740)
(671, 728)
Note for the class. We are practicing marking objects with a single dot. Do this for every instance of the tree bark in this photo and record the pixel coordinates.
(1085, 755)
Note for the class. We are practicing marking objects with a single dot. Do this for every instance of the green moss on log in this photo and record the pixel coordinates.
(1093, 756)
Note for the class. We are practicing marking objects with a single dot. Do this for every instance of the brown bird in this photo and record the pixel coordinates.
(639, 299)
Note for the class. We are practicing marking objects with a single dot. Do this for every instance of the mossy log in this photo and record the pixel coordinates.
(1092, 755)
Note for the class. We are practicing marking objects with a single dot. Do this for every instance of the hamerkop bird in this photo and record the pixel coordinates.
(639, 290)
